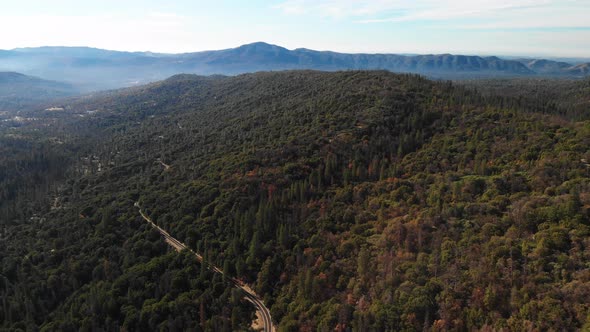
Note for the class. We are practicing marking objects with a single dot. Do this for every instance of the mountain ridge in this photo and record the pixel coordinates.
(95, 69)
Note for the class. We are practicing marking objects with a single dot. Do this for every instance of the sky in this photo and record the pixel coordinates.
(557, 28)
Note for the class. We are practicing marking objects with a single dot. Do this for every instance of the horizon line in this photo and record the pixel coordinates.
(404, 53)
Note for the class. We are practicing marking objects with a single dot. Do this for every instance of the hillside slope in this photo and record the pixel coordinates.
(18, 90)
(569, 98)
(363, 200)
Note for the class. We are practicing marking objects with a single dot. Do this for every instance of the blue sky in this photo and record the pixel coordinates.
(515, 27)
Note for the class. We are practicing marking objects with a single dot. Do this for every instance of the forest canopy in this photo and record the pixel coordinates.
(357, 200)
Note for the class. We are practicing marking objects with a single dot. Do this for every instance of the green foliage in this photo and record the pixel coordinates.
(350, 200)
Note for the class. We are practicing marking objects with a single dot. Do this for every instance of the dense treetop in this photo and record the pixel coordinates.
(353, 200)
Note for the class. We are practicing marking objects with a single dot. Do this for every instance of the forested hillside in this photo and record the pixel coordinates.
(568, 98)
(18, 90)
(351, 201)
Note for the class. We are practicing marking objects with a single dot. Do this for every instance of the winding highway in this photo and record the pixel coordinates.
(250, 295)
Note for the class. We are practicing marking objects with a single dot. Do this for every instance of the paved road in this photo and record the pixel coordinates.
(250, 296)
(166, 166)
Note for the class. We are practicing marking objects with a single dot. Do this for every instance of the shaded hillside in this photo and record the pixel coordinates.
(569, 98)
(580, 70)
(18, 90)
(93, 69)
(549, 67)
(350, 200)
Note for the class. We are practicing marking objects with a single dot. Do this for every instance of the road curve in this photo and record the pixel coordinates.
(250, 296)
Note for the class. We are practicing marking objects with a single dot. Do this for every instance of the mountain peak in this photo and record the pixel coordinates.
(261, 46)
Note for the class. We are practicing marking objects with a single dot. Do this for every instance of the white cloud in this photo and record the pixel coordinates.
(341, 8)
(503, 13)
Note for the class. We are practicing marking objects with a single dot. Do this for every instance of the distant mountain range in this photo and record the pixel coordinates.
(556, 68)
(94, 69)
(18, 90)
